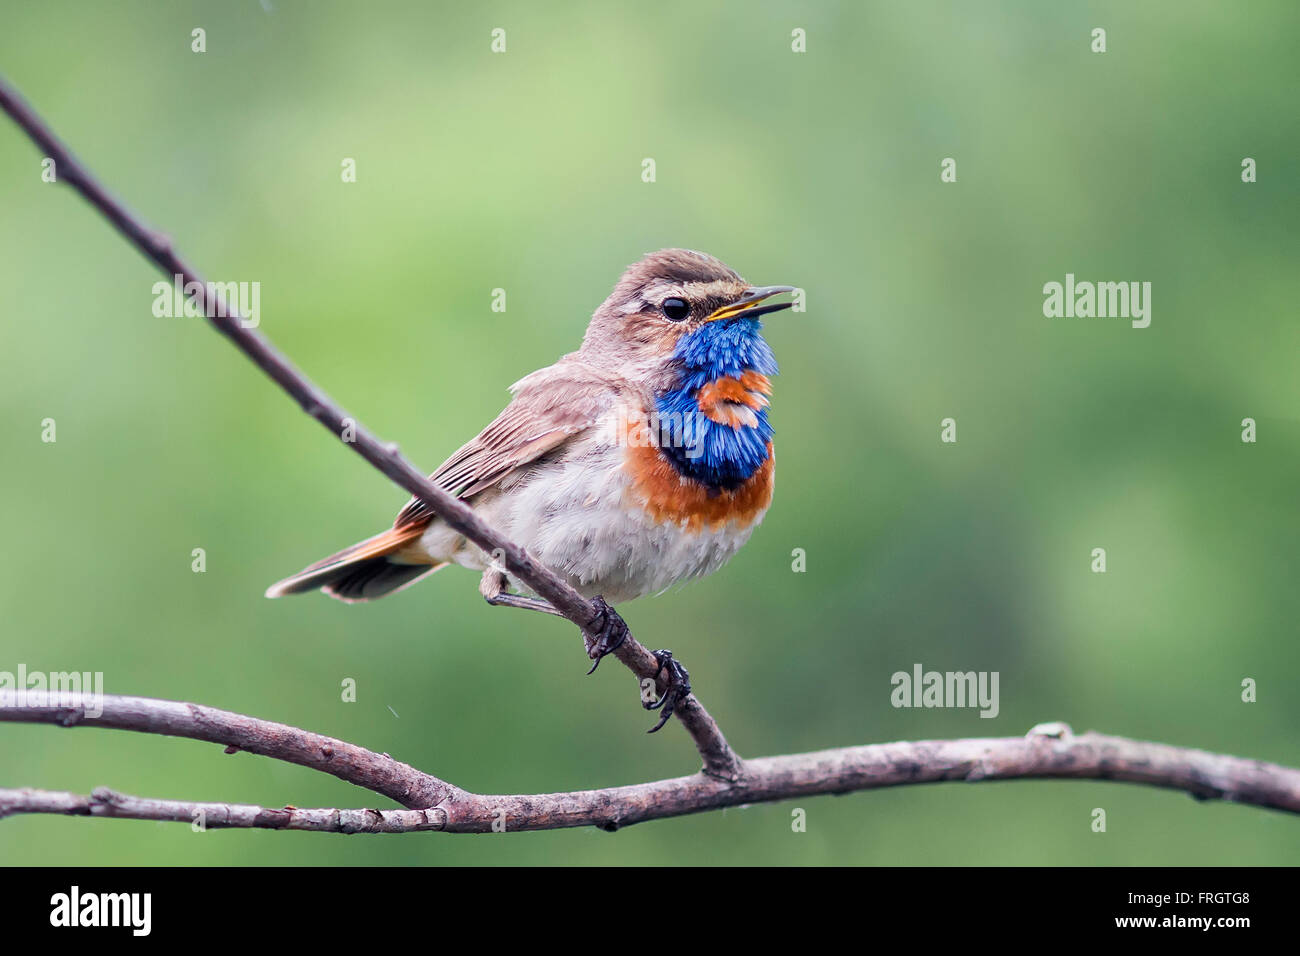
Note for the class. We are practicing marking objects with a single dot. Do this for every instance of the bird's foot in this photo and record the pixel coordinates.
(605, 634)
(677, 688)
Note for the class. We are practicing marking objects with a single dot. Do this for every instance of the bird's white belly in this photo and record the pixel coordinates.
(577, 517)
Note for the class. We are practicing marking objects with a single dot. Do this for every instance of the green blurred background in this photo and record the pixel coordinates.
(523, 171)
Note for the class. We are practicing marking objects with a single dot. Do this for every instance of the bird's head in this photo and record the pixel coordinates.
(675, 309)
(686, 327)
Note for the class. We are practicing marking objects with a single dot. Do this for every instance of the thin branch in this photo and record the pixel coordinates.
(718, 757)
(1049, 751)
(376, 772)
(104, 802)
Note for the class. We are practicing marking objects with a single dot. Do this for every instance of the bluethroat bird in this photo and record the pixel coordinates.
(640, 460)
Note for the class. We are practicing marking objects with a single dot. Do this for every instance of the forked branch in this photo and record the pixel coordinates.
(1049, 751)
(433, 804)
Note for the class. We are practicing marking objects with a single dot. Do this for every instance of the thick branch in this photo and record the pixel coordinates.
(1047, 752)
(719, 759)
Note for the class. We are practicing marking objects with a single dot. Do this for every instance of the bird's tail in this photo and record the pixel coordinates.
(367, 570)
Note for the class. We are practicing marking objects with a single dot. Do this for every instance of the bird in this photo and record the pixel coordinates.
(641, 460)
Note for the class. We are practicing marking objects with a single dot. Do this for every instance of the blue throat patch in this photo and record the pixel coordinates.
(715, 453)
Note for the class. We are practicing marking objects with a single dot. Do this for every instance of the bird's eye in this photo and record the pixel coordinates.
(676, 309)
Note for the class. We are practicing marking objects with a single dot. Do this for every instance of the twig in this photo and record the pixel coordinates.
(1049, 751)
(104, 802)
(719, 759)
(376, 772)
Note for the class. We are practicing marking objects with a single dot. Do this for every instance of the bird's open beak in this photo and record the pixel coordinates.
(747, 307)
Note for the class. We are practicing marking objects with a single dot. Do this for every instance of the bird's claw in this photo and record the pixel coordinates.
(605, 634)
(676, 689)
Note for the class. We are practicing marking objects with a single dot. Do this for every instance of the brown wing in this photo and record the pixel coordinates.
(549, 407)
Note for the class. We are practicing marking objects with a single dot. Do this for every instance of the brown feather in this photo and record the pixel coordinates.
(549, 407)
(339, 565)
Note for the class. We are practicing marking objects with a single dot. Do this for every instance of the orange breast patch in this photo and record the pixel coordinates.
(670, 496)
(732, 401)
